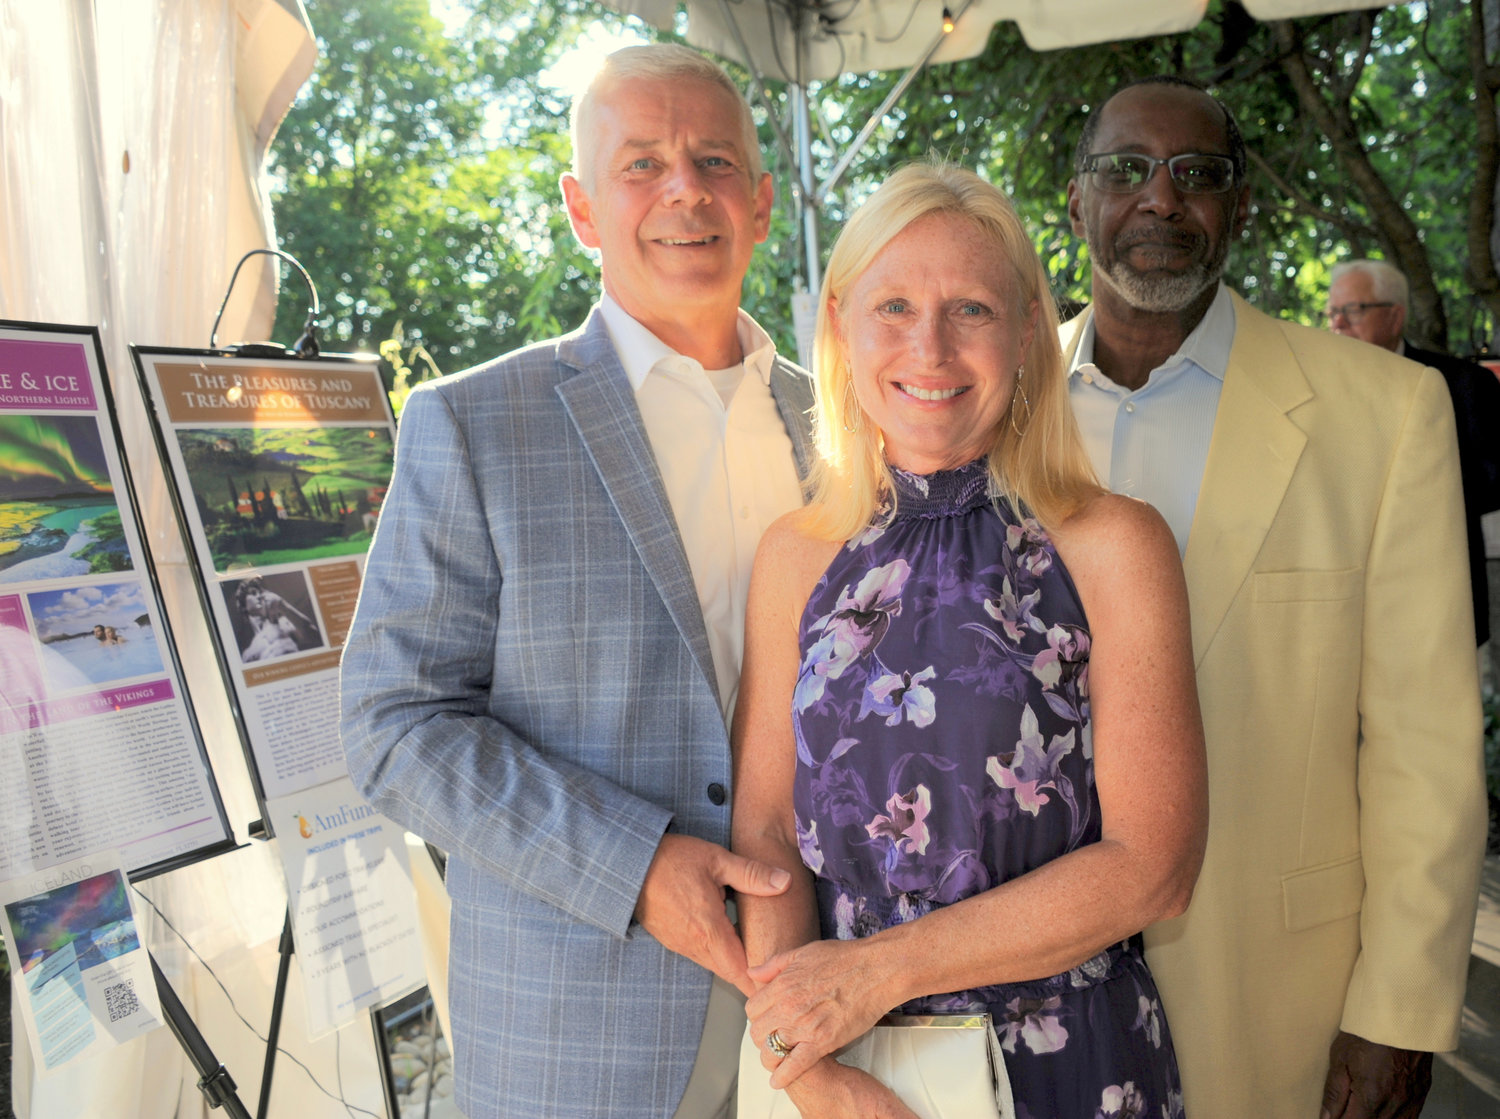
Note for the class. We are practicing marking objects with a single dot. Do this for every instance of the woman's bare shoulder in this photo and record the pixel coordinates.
(793, 551)
(1111, 535)
(788, 563)
(794, 535)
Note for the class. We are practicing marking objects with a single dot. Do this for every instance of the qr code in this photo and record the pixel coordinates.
(120, 1000)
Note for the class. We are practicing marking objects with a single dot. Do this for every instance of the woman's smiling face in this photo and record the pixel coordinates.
(934, 333)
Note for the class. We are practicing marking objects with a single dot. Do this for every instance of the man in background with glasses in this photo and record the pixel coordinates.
(1314, 492)
(1370, 300)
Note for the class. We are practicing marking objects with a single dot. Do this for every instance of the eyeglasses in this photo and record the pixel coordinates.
(1128, 172)
(1352, 312)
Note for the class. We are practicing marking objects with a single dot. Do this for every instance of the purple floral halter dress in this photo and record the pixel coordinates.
(943, 747)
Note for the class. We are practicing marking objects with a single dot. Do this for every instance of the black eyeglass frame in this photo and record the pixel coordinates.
(1354, 312)
(1091, 168)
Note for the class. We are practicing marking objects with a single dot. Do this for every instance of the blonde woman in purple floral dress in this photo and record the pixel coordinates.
(967, 711)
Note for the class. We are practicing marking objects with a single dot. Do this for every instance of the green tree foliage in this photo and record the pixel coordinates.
(417, 182)
(444, 241)
(419, 168)
(1352, 122)
(1371, 95)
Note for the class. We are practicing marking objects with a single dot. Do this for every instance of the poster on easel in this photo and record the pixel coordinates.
(99, 747)
(83, 981)
(278, 468)
(350, 901)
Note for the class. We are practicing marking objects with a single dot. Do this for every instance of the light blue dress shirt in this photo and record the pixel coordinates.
(1153, 443)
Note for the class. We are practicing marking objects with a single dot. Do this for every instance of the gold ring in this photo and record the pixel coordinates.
(776, 1045)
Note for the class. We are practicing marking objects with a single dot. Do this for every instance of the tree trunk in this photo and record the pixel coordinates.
(1483, 197)
(1427, 323)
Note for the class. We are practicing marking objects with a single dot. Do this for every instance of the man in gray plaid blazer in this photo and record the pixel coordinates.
(545, 653)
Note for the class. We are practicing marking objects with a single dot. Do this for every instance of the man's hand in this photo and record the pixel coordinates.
(1370, 1081)
(682, 902)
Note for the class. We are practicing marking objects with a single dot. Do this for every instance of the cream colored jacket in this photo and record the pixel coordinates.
(1333, 638)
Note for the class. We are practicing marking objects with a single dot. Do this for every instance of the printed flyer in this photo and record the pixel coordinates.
(349, 891)
(279, 469)
(83, 981)
(98, 745)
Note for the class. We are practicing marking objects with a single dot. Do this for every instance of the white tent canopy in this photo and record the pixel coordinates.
(801, 41)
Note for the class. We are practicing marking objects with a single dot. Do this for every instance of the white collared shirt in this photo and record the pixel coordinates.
(1153, 443)
(726, 460)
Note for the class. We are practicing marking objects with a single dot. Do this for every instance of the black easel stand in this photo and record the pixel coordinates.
(277, 1002)
(214, 1081)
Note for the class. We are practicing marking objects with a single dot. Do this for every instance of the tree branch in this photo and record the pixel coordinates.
(1428, 321)
(1481, 268)
(1353, 231)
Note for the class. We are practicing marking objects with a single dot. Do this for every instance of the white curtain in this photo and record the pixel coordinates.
(132, 137)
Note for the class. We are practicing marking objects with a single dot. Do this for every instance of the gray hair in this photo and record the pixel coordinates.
(653, 62)
(1388, 282)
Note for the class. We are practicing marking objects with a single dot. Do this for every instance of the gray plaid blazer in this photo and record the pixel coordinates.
(528, 684)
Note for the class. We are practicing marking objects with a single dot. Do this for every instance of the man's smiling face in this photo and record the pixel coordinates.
(1158, 249)
(673, 207)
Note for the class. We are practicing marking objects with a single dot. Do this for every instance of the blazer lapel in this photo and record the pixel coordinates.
(602, 407)
(1070, 333)
(1251, 460)
(791, 388)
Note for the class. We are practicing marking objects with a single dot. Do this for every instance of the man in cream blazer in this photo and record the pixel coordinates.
(1314, 487)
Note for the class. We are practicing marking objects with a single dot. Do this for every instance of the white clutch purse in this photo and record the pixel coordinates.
(942, 1066)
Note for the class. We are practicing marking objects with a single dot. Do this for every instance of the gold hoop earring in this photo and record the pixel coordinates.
(1020, 391)
(851, 403)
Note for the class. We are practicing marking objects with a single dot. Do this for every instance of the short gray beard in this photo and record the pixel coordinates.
(1159, 293)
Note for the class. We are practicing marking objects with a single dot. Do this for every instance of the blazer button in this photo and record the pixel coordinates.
(716, 793)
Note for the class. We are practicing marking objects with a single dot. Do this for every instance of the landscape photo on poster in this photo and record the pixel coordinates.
(92, 915)
(101, 630)
(268, 496)
(58, 514)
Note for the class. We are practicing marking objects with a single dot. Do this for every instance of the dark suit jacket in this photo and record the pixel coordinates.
(1476, 407)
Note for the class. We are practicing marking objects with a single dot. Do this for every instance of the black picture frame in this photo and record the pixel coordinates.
(69, 424)
(224, 560)
(408, 1019)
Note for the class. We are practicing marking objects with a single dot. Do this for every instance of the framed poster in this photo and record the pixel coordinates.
(73, 941)
(99, 747)
(278, 468)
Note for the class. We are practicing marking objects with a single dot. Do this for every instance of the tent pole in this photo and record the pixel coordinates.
(757, 81)
(799, 154)
(885, 106)
(802, 131)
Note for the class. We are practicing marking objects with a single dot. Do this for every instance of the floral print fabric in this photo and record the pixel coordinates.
(944, 747)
